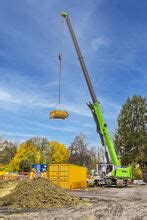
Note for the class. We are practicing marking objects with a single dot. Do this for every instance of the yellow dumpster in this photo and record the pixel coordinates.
(68, 176)
(58, 114)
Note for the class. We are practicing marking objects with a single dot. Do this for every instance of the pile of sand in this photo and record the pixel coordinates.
(38, 193)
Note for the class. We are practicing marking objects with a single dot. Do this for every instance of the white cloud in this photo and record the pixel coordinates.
(8, 97)
(64, 129)
(89, 125)
(17, 134)
(21, 99)
(98, 42)
(78, 109)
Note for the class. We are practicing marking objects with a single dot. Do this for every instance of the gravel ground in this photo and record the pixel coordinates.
(101, 203)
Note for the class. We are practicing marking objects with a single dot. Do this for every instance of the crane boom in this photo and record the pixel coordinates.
(95, 106)
(81, 59)
(119, 171)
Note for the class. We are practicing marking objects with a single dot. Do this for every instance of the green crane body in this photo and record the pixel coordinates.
(118, 172)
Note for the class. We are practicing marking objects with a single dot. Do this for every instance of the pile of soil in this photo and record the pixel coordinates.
(38, 193)
(6, 186)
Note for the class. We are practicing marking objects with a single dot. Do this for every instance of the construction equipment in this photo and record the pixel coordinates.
(116, 173)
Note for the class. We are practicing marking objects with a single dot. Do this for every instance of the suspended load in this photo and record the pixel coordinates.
(58, 114)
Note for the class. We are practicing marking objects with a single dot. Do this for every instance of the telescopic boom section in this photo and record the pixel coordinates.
(95, 106)
(88, 81)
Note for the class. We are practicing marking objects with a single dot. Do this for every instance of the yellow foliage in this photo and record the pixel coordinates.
(38, 157)
(27, 151)
(137, 173)
(59, 152)
(4, 167)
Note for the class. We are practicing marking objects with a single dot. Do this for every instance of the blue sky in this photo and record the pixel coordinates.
(112, 36)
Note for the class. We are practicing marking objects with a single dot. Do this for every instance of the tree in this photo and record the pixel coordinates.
(7, 151)
(59, 153)
(101, 155)
(78, 150)
(80, 154)
(41, 143)
(26, 154)
(25, 165)
(130, 134)
(145, 143)
(43, 148)
(36, 150)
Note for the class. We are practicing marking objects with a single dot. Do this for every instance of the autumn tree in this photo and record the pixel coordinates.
(7, 151)
(58, 153)
(43, 148)
(130, 134)
(25, 156)
(50, 151)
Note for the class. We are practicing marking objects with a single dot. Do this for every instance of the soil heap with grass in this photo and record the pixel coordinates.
(38, 193)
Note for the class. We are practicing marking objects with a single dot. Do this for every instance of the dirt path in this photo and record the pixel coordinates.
(102, 203)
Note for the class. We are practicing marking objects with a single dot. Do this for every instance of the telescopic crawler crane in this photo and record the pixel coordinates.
(118, 172)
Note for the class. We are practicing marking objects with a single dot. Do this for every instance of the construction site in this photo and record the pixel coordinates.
(104, 178)
(40, 199)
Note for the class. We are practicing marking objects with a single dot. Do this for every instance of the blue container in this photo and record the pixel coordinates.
(39, 167)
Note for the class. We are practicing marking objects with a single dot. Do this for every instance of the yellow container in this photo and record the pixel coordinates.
(68, 176)
(58, 114)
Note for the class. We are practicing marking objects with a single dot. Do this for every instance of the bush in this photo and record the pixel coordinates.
(25, 166)
(137, 174)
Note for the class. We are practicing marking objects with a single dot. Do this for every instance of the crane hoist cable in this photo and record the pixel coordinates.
(60, 69)
(59, 113)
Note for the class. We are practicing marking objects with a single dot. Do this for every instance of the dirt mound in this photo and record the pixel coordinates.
(6, 186)
(38, 193)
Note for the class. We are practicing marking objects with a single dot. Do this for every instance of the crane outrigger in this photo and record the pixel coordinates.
(118, 172)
